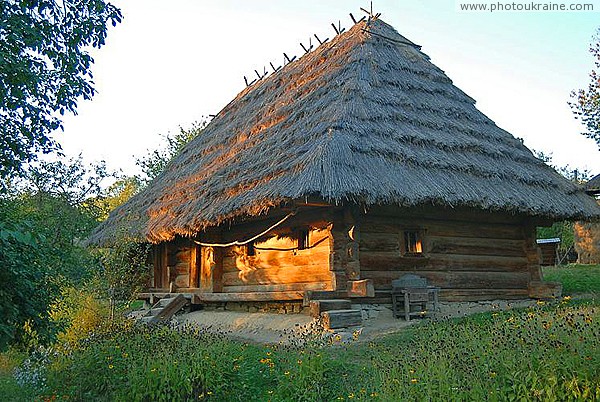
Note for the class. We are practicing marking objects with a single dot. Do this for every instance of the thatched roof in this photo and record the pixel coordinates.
(592, 187)
(365, 118)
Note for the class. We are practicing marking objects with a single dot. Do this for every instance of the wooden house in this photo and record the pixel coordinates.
(348, 167)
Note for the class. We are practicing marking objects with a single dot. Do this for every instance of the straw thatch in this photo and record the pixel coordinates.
(592, 187)
(365, 118)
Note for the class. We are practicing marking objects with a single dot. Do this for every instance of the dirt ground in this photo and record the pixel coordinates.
(290, 328)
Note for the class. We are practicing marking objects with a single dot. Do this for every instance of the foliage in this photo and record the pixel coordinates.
(10, 389)
(586, 104)
(474, 358)
(156, 161)
(43, 221)
(125, 271)
(44, 69)
(575, 278)
(117, 194)
(77, 313)
(562, 230)
(23, 287)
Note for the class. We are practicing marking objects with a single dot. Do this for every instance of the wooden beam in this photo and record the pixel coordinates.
(257, 296)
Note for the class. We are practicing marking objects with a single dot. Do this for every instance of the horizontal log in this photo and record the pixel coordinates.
(389, 213)
(474, 246)
(255, 296)
(459, 280)
(373, 241)
(278, 288)
(444, 228)
(277, 259)
(384, 297)
(382, 261)
(271, 276)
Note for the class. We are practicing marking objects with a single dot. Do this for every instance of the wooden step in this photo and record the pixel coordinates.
(165, 309)
(334, 319)
(319, 306)
(164, 302)
(322, 295)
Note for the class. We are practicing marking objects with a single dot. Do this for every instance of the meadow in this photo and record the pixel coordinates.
(545, 352)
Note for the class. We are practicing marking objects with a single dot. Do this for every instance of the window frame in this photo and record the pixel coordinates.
(419, 238)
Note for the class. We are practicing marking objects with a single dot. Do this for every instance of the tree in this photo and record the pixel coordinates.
(45, 69)
(43, 220)
(586, 105)
(157, 160)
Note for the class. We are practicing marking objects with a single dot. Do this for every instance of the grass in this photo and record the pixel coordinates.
(547, 352)
(575, 278)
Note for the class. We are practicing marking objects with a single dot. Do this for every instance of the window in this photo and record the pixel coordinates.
(250, 250)
(303, 239)
(413, 242)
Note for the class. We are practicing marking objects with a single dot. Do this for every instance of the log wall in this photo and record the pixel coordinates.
(278, 265)
(470, 255)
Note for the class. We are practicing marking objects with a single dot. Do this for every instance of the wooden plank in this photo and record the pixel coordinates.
(276, 259)
(390, 212)
(475, 246)
(382, 261)
(453, 279)
(165, 313)
(257, 296)
(316, 307)
(278, 288)
(290, 274)
(445, 228)
(545, 290)
(341, 319)
(375, 241)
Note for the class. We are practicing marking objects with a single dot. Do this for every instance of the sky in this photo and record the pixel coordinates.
(169, 63)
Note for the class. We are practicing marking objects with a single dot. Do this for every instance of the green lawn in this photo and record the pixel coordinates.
(575, 278)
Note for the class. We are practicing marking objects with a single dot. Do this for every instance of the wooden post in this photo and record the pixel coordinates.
(211, 270)
(531, 252)
(193, 265)
(346, 236)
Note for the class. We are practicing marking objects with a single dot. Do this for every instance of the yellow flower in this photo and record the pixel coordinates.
(374, 394)
(299, 361)
(414, 381)
(110, 366)
(287, 373)
(493, 374)
(567, 298)
(153, 369)
(351, 396)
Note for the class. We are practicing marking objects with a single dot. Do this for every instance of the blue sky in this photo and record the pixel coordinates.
(170, 63)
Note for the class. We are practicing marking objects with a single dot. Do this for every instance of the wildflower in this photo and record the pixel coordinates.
(351, 395)
(540, 302)
(153, 369)
(299, 361)
(567, 298)
(414, 381)
(110, 366)
(373, 394)
(493, 374)
(411, 371)
(287, 373)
